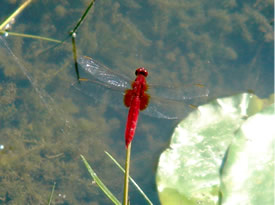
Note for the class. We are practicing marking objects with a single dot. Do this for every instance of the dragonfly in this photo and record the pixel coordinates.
(160, 101)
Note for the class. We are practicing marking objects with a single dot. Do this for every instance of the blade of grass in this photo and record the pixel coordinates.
(50, 199)
(100, 183)
(82, 17)
(18, 11)
(131, 179)
(126, 175)
(30, 36)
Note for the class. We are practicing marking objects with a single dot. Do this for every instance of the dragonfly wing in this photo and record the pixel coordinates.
(180, 93)
(102, 73)
(167, 109)
(100, 93)
(175, 102)
(100, 83)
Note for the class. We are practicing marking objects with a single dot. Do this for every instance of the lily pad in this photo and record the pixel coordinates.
(189, 170)
(248, 174)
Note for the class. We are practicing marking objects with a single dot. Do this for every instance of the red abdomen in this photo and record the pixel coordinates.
(132, 120)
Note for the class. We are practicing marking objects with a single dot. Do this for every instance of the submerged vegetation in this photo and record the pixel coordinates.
(45, 124)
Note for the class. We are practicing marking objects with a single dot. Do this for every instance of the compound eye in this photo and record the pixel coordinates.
(141, 71)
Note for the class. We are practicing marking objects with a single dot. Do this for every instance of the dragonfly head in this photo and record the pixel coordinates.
(141, 71)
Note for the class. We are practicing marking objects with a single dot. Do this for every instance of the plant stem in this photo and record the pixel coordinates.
(82, 17)
(131, 179)
(30, 36)
(126, 175)
(51, 197)
(75, 57)
(18, 11)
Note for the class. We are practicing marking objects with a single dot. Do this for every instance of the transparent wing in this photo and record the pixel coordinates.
(179, 93)
(102, 73)
(101, 93)
(167, 110)
(175, 102)
(100, 83)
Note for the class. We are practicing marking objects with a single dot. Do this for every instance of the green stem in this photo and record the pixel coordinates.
(51, 197)
(82, 17)
(75, 57)
(18, 11)
(30, 36)
(126, 175)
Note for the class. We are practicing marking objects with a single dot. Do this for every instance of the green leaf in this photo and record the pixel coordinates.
(189, 171)
(248, 174)
(100, 183)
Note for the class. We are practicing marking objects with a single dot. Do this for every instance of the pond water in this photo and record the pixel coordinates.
(45, 124)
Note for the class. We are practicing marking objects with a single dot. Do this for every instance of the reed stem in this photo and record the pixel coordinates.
(126, 175)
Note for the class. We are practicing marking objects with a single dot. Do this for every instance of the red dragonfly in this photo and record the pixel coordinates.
(160, 101)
